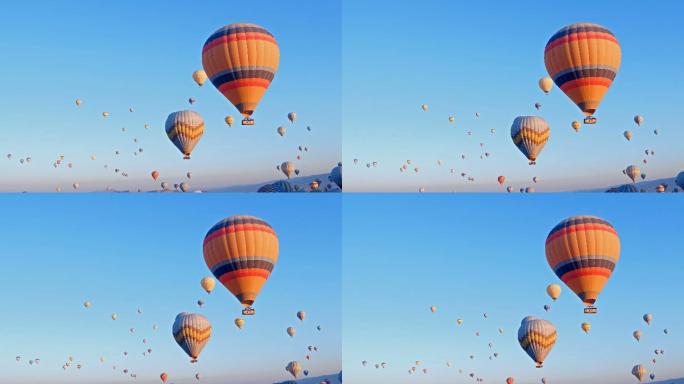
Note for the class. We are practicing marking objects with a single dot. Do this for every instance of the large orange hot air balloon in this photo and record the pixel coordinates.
(241, 252)
(241, 61)
(583, 60)
(583, 251)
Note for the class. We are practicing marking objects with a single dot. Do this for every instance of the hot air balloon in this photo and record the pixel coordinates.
(336, 175)
(294, 368)
(554, 291)
(633, 172)
(576, 125)
(200, 77)
(648, 318)
(639, 372)
(459, 321)
(510, 380)
(545, 84)
(229, 120)
(586, 326)
(114, 316)
(287, 168)
(192, 332)
(301, 315)
(638, 119)
(105, 114)
(530, 134)
(87, 304)
(628, 135)
(155, 175)
(78, 102)
(185, 129)
(292, 116)
(451, 119)
(537, 337)
(637, 335)
(433, 309)
(164, 377)
(239, 322)
(424, 107)
(241, 61)
(547, 307)
(583, 60)
(241, 252)
(281, 131)
(537, 106)
(291, 331)
(501, 179)
(184, 186)
(583, 251)
(208, 283)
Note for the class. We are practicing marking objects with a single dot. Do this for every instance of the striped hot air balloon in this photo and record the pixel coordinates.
(241, 252)
(639, 372)
(583, 60)
(633, 172)
(537, 337)
(583, 251)
(185, 129)
(192, 332)
(241, 61)
(530, 134)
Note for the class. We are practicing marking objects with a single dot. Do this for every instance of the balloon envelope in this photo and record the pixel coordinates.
(583, 251)
(530, 134)
(184, 129)
(583, 60)
(537, 337)
(191, 331)
(241, 60)
(241, 252)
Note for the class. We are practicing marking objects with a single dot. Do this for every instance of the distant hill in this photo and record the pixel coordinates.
(647, 186)
(670, 381)
(315, 380)
(302, 182)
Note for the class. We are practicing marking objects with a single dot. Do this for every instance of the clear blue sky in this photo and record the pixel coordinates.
(126, 252)
(120, 54)
(470, 254)
(465, 57)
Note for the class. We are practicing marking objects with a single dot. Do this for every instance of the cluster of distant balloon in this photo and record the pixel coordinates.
(240, 75)
(241, 252)
(583, 252)
(582, 60)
